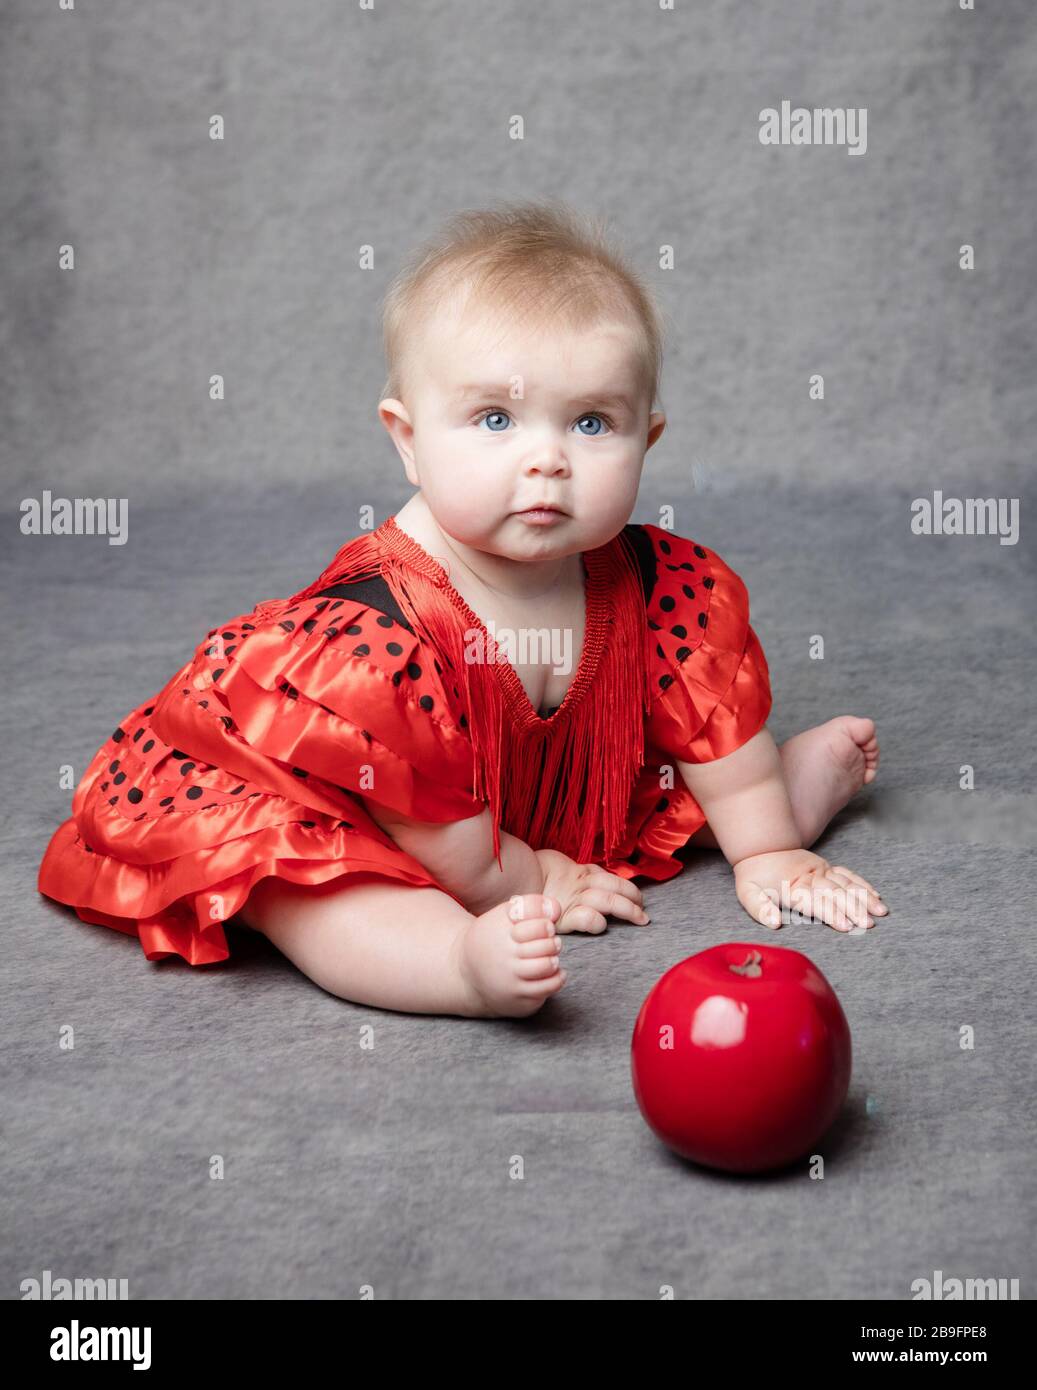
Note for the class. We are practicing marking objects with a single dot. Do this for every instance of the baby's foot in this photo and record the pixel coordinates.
(510, 962)
(825, 766)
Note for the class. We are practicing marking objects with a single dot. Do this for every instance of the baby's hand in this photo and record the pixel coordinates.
(797, 878)
(586, 892)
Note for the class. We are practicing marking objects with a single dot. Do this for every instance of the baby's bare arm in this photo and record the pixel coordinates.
(745, 799)
(459, 855)
(746, 802)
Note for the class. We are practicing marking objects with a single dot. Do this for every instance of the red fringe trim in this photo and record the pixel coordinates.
(569, 776)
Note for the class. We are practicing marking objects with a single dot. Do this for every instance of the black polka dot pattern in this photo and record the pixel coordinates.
(154, 779)
(678, 608)
(381, 641)
(151, 778)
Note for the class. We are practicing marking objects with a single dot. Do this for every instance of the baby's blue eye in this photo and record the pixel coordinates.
(501, 419)
(599, 418)
(495, 415)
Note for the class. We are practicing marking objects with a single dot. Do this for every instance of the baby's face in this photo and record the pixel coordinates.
(500, 422)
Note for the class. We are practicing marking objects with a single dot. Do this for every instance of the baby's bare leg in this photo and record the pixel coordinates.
(824, 767)
(413, 949)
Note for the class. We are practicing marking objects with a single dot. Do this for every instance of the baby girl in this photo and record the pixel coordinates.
(414, 812)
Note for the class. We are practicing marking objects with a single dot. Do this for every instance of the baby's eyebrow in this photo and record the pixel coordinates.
(480, 389)
(610, 398)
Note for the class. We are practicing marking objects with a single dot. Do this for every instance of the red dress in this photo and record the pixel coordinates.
(252, 759)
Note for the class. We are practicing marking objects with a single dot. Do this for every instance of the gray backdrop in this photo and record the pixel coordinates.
(348, 127)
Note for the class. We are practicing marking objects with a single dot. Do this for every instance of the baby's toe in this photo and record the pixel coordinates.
(537, 969)
(871, 759)
(523, 907)
(533, 930)
(860, 729)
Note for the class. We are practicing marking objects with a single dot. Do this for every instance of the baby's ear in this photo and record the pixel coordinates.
(656, 425)
(394, 416)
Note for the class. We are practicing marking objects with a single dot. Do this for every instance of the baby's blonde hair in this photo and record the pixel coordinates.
(536, 261)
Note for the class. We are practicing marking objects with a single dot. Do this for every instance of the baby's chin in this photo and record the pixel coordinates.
(518, 539)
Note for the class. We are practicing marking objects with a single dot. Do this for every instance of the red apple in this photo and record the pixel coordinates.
(741, 1056)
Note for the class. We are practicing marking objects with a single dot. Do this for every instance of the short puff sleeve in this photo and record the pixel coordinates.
(710, 677)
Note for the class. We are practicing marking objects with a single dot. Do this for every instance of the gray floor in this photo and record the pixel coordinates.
(348, 1166)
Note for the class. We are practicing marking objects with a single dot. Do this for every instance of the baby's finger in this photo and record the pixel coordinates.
(759, 904)
(824, 901)
(853, 899)
(824, 906)
(601, 878)
(856, 878)
(843, 908)
(854, 904)
(856, 885)
(618, 904)
(580, 917)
